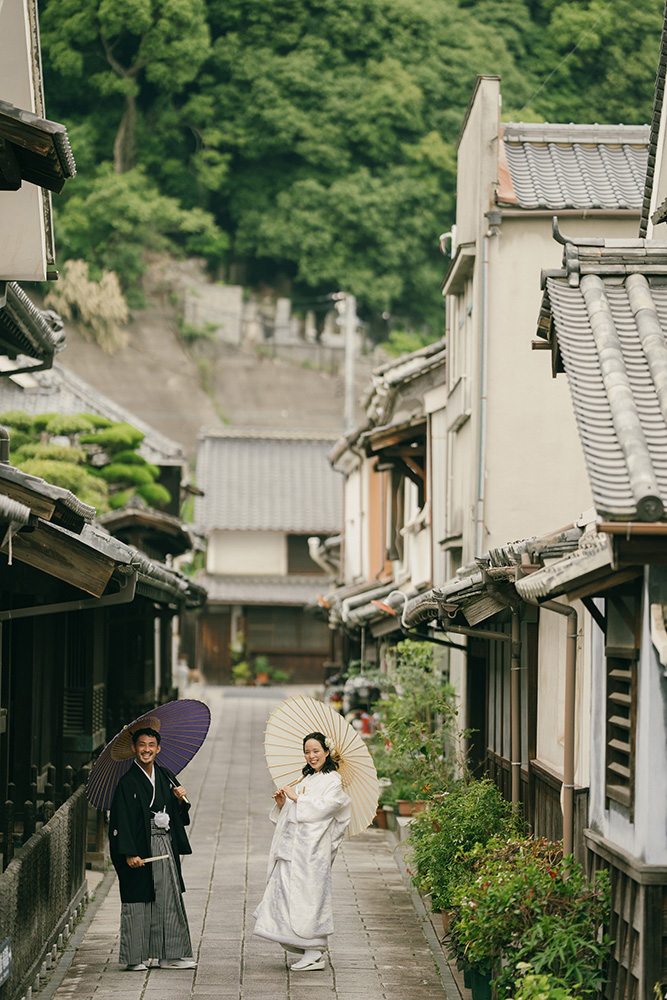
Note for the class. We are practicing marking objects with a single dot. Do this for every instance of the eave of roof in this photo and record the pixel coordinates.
(604, 312)
(25, 331)
(656, 119)
(40, 149)
(293, 591)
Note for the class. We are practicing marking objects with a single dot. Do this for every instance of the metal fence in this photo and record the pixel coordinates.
(40, 889)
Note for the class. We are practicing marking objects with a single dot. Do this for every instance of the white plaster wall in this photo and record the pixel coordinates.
(477, 160)
(551, 692)
(646, 837)
(536, 477)
(438, 493)
(22, 248)
(251, 553)
(353, 520)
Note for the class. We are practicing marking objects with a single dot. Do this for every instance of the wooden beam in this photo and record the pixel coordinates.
(392, 436)
(39, 505)
(63, 556)
(599, 586)
(418, 480)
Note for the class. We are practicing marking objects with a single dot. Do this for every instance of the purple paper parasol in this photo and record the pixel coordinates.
(182, 726)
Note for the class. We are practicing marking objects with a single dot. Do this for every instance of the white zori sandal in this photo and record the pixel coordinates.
(312, 960)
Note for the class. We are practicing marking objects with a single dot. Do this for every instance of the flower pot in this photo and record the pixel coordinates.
(418, 805)
(262, 678)
(480, 985)
(390, 814)
(381, 818)
(404, 807)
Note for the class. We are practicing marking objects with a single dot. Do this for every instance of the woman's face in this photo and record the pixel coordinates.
(315, 754)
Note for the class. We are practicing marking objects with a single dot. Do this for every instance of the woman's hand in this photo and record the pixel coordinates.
(279, 796)
(289, 792)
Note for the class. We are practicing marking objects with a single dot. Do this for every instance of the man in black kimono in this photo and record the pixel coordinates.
(148, 817)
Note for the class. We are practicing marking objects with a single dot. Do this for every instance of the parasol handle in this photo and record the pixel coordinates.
(174, 785)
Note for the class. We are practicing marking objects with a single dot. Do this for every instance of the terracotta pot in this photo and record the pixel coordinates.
(381, 818)
(418, 805)
(262, 678)
(404, 807)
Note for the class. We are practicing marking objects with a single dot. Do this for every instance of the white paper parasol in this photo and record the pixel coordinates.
(283, 748)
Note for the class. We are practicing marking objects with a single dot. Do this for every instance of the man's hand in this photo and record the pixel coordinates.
(179, 792)
(134, 862)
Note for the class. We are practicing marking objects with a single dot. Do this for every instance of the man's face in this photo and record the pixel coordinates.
(146, 750)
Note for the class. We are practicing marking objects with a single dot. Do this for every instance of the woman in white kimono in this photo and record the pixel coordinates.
(311, 818)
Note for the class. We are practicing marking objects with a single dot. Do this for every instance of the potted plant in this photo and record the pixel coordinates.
(470, 813)
(262, 670)
(524, 903)
(242, 673)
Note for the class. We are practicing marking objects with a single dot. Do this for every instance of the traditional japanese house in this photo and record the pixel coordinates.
(270, 498)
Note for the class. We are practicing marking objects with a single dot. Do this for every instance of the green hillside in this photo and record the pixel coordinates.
(310, 145)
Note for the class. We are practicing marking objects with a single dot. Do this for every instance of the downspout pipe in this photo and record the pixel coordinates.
(515, 711)
(480, 500)
(570, 709)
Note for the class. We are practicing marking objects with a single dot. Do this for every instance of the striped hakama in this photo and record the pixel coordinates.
(158, 929)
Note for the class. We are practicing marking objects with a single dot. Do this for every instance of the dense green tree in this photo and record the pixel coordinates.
(119, 47)
(319, 134)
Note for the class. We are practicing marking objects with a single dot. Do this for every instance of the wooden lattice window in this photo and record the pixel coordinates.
(623, 631)
(621, 712)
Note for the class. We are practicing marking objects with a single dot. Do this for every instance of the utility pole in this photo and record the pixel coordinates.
(350, 344)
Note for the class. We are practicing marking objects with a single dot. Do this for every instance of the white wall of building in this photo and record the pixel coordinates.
(251, 553)
(23, 244)
(643, 836)
(553, 629)
(353, 562)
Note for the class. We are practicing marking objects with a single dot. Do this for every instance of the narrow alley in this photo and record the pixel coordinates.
(383, 948)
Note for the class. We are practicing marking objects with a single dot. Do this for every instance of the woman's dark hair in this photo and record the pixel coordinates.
(329, 764)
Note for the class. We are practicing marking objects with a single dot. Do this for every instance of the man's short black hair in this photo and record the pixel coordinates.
(146, 731)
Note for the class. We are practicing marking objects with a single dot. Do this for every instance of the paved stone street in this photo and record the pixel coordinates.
(383, 948)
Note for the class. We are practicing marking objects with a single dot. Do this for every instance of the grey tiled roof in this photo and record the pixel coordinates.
(61, 391)
(575, 166)
(24, 329)
(286, 590)
(267, 481)
(608, 310)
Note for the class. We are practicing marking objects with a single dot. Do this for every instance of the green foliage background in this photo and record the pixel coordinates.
(310, 145)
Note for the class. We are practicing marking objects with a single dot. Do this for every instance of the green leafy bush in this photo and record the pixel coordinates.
(18, 419)
(539, 987)
(418, 716)
(470, 813)
(526, 903)
(115, 437)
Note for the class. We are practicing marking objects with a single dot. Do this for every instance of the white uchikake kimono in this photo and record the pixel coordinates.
(296, 909)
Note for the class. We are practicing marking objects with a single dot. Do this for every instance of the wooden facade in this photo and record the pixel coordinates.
(638, 925)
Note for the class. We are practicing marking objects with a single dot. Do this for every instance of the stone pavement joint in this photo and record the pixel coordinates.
(384, 947)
